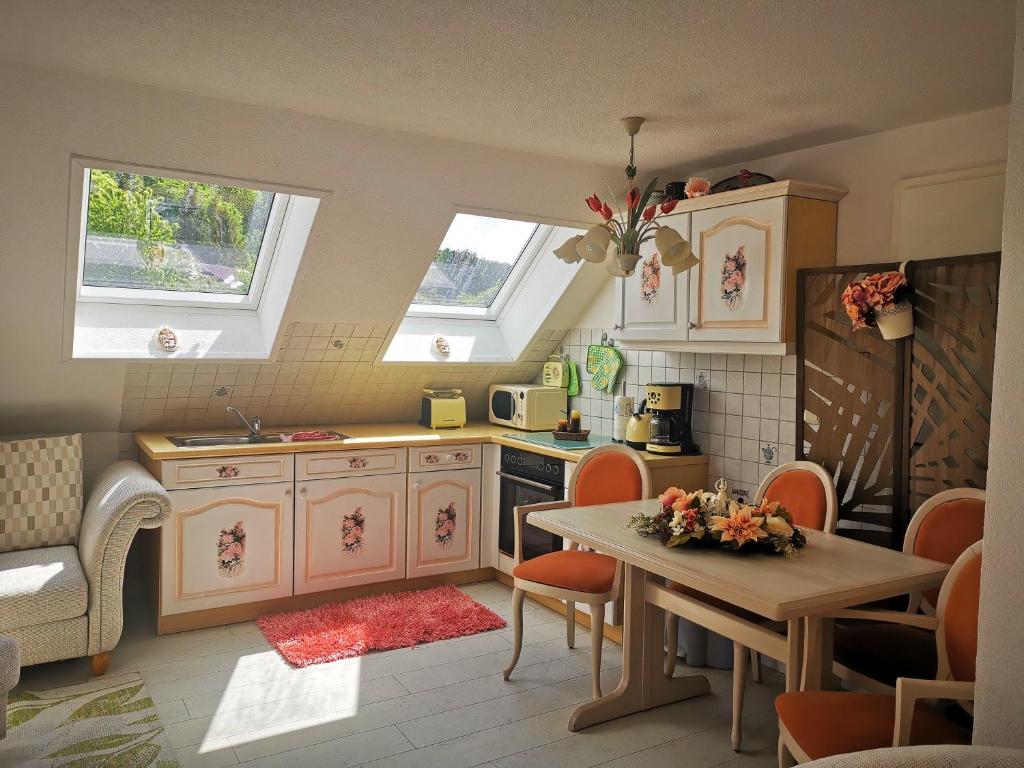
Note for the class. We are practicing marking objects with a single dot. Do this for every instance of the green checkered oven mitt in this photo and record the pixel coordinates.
(603, 365)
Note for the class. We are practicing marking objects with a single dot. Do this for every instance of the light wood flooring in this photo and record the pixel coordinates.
(226, 697)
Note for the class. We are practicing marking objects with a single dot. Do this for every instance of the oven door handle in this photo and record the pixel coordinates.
(527, 481)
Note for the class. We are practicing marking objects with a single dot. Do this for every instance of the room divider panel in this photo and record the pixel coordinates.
(897, 421)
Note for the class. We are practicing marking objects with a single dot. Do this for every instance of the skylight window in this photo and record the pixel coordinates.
(161, 239)
(476, 265)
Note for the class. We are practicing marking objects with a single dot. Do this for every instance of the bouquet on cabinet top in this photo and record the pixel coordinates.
(881, 300)
(702, 518)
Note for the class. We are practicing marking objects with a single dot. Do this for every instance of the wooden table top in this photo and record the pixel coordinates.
(830, 573)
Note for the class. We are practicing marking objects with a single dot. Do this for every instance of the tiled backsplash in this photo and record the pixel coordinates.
(744, 405)
(323, 374)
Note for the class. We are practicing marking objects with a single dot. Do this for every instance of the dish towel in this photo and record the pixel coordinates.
(574, 378)
(603, 365)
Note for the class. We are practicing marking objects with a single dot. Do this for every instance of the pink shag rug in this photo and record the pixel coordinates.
(381, 622)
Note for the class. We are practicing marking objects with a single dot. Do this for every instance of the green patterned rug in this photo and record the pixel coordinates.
(109, 722)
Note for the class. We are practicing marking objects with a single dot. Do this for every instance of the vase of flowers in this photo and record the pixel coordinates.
(707, 519)
(881, 300)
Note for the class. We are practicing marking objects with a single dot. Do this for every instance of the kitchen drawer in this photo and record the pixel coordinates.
(445, 457)
(327, 464)
(233, 470)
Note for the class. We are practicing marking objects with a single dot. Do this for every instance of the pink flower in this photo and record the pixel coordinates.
(697, 187)
(667, 498)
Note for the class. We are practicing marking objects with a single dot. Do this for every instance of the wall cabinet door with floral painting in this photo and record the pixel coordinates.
(349, 531)
(444, 521)
(651, 304)
(736, 291)
(223, 546)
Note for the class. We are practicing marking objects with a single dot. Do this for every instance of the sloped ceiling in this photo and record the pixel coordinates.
(720, 80)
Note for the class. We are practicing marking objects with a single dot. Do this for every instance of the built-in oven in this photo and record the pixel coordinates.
(527, 478)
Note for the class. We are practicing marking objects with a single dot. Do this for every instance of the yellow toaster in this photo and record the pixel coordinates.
(443, 409)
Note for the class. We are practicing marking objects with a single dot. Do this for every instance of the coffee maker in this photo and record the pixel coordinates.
(671, 407)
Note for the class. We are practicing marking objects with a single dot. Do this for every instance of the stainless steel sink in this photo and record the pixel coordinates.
(206, 441)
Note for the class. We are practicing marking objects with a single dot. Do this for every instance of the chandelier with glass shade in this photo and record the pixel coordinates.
(618, 238)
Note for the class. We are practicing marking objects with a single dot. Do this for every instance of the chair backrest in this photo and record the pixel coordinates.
(942, 529)
(806, 491)
(957, 634)
(607, 474)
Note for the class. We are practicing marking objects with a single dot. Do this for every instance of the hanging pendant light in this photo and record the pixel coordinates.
(629, 229)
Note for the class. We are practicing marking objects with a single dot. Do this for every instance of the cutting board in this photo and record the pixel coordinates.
(548, 440)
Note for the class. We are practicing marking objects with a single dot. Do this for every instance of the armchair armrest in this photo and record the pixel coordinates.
(521, 512)
(892, 617)
(910, 690)
(126, 497)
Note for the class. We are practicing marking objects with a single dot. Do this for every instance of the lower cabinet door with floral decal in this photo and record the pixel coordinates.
(349, 531)
(444, 521)
(651, 304)
(224, 546)
(737, 289)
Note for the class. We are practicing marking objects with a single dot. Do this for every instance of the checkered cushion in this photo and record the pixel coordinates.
(40, 492)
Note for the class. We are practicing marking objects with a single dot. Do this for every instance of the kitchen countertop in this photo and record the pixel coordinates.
(157, 447)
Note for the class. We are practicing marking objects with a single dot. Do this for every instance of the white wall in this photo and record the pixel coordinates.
(998, 715)
(870, 166)
(392, 199)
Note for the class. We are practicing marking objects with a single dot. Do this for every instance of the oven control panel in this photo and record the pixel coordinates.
(533, 465)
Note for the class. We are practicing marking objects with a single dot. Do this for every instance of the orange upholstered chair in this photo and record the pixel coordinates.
(807, 492)
(604, 475)
(818, 724)
(871, 655)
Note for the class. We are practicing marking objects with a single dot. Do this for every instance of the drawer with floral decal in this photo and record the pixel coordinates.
(444, 457)
(326, 464)
(232, 470)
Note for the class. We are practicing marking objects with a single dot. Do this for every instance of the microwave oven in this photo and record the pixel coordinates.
(532, 407)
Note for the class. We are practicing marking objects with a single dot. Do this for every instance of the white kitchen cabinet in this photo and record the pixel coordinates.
(444, 521)
(349, 531)
(651, 304)
(226, 545)
(736, 290)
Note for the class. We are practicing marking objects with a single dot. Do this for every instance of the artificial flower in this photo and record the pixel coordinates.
(594, 203)
(740, 526)
(669, 205)
(670, 495)
(697, 187)
(776, 525)
(632, 198)
(606, 212)
(649, 211)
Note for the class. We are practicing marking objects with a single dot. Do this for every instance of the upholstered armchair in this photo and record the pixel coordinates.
(62, 568)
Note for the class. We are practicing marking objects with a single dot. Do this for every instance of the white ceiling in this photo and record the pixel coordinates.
(719, 81)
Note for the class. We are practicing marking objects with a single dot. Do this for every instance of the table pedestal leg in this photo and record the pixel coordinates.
(643, 684)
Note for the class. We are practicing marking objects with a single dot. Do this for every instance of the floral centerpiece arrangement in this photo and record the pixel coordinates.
(702, 518)
(881, 300)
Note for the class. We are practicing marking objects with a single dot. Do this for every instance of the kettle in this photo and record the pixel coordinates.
(638, 429)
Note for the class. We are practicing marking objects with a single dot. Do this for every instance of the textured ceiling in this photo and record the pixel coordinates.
(719, 81)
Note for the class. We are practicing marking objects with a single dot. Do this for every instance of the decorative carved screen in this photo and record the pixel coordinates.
(850, 392)
(898, 421)
(950, 386)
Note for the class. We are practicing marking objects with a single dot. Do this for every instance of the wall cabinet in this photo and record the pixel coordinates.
(651, 304)
(226, 545)
(749, 244)
(444, 521)
(349, 531)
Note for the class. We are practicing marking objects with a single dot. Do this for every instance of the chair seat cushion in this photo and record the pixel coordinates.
(885, 652)
(826, 723)
(570, 569)
(39, 586)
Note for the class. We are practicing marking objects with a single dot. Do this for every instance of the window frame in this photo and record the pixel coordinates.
(527, 256)
(149, 297)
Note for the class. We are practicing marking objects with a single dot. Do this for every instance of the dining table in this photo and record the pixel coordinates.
(829, 574)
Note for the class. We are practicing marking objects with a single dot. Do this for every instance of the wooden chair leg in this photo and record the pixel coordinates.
(570, 624)
(99, 663)
(740, 656)
(671, 643)
(785, 758)
(518, 595)
(755, 666)
(596, 641)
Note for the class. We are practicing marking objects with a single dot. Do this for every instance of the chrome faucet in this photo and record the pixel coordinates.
(254, 427)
